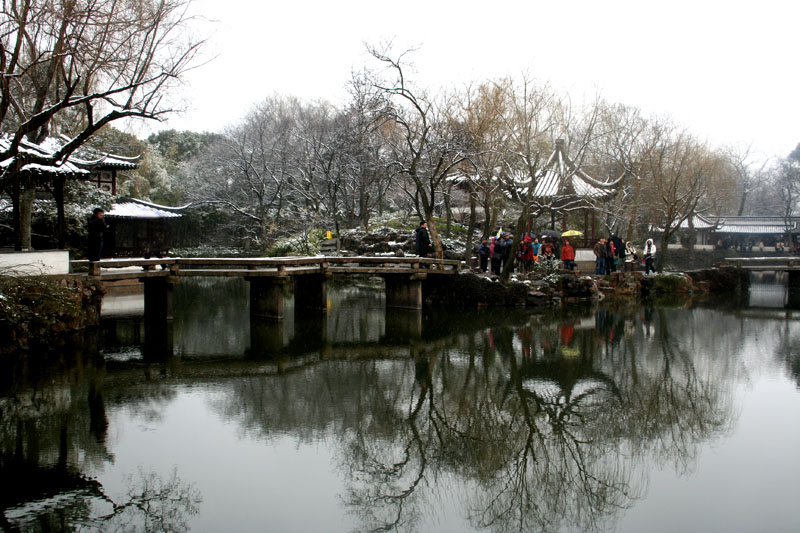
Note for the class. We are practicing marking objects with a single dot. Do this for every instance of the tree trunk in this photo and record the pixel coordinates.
(25, 210)
(634, 209)
(473, 215)
(662, 252)
(435, 239)
(15, 213)
(58, 194)
(492, 220)
(448, 214)
(512, 257)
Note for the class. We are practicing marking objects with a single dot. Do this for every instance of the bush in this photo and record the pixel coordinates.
(38, 309)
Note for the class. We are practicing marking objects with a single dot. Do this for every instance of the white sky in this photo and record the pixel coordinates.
(727, 70)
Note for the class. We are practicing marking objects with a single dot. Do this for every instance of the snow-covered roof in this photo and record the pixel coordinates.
(73, 165)
(133, 208)
(561, 177)
(26, 147)
(699, 222)
(756, 225)
(746, 225)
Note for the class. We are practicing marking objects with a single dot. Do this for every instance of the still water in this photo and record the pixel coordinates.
(634, 417)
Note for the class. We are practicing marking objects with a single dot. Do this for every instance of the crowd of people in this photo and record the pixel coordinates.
(611, 254)
(493, 254)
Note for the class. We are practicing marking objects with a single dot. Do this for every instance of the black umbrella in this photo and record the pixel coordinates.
(550, 233)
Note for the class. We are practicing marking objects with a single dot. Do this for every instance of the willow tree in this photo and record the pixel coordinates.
(69, 67)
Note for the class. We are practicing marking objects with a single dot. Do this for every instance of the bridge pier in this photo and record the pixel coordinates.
(794, 280)
(158, 342)
(310, 292)
(266, 296)
(404, 291)
(267, 337)
(403, 325)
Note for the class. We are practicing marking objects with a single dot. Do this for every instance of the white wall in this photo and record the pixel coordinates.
(35, 262)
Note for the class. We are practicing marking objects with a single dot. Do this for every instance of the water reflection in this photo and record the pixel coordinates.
(519, 422)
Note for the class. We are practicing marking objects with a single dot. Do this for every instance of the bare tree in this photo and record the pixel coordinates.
(69, 67)
(536, 118)
(748, 174)
(679, 172)
(422, 150)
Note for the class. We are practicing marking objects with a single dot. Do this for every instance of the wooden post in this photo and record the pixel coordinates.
(794, 290)
(404, 291)
(266, 296)
(158, 299)
(310, 292)
(794, 280)
(58, 194)
(403, 325)
(267, 337)
(158, 319)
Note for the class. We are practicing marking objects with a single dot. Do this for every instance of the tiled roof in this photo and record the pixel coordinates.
(133, 208)
(73, 164)
(747, 225)
(30, 148)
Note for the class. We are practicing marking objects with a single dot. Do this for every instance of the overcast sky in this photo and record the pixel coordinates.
(727, 70)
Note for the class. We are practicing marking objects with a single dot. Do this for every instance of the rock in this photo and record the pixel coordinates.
(470, 290)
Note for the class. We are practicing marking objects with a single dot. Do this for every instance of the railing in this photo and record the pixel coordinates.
(764, 263)
(262, 266)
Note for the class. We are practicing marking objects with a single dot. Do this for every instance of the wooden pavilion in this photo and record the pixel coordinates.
(563, 186)
(101, 170)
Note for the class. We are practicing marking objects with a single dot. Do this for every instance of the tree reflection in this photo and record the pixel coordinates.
(53, 429)
(539, 427)
(151, 504)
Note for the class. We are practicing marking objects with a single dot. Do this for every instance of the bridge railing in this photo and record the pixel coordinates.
(255, 266)
(764, 263)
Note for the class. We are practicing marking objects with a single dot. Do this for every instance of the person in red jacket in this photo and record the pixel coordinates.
(568, 255)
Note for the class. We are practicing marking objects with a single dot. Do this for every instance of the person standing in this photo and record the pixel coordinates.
(599, 251)
(537, 246)
(483, 254)
(423, 240)
(496, 253)
(508, 244)
(568, 255)
(526, 253)
(609, 255)
(97, 228)
(649, 256)
(630, 257)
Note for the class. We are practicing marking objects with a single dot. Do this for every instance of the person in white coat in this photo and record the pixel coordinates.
(649, 251)
(630, 257)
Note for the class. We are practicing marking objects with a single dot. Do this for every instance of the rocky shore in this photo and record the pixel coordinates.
(545, 287)
(481, 290)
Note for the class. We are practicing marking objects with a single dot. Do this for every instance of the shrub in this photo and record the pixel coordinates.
(38, 309)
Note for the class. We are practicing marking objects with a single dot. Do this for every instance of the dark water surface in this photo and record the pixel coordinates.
(624, 418)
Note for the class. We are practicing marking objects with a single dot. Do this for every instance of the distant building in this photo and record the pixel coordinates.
(139, 229)
(744, 232)
(101, 170)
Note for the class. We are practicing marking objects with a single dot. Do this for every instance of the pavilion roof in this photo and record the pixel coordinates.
(744, 224)
(135, 208)
(559, 177)
(74, 165)
(26, 147)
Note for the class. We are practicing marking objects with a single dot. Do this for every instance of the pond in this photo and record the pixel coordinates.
(627, 417)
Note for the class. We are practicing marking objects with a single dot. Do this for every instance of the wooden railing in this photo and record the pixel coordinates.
(261, 266)
(764, 263)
